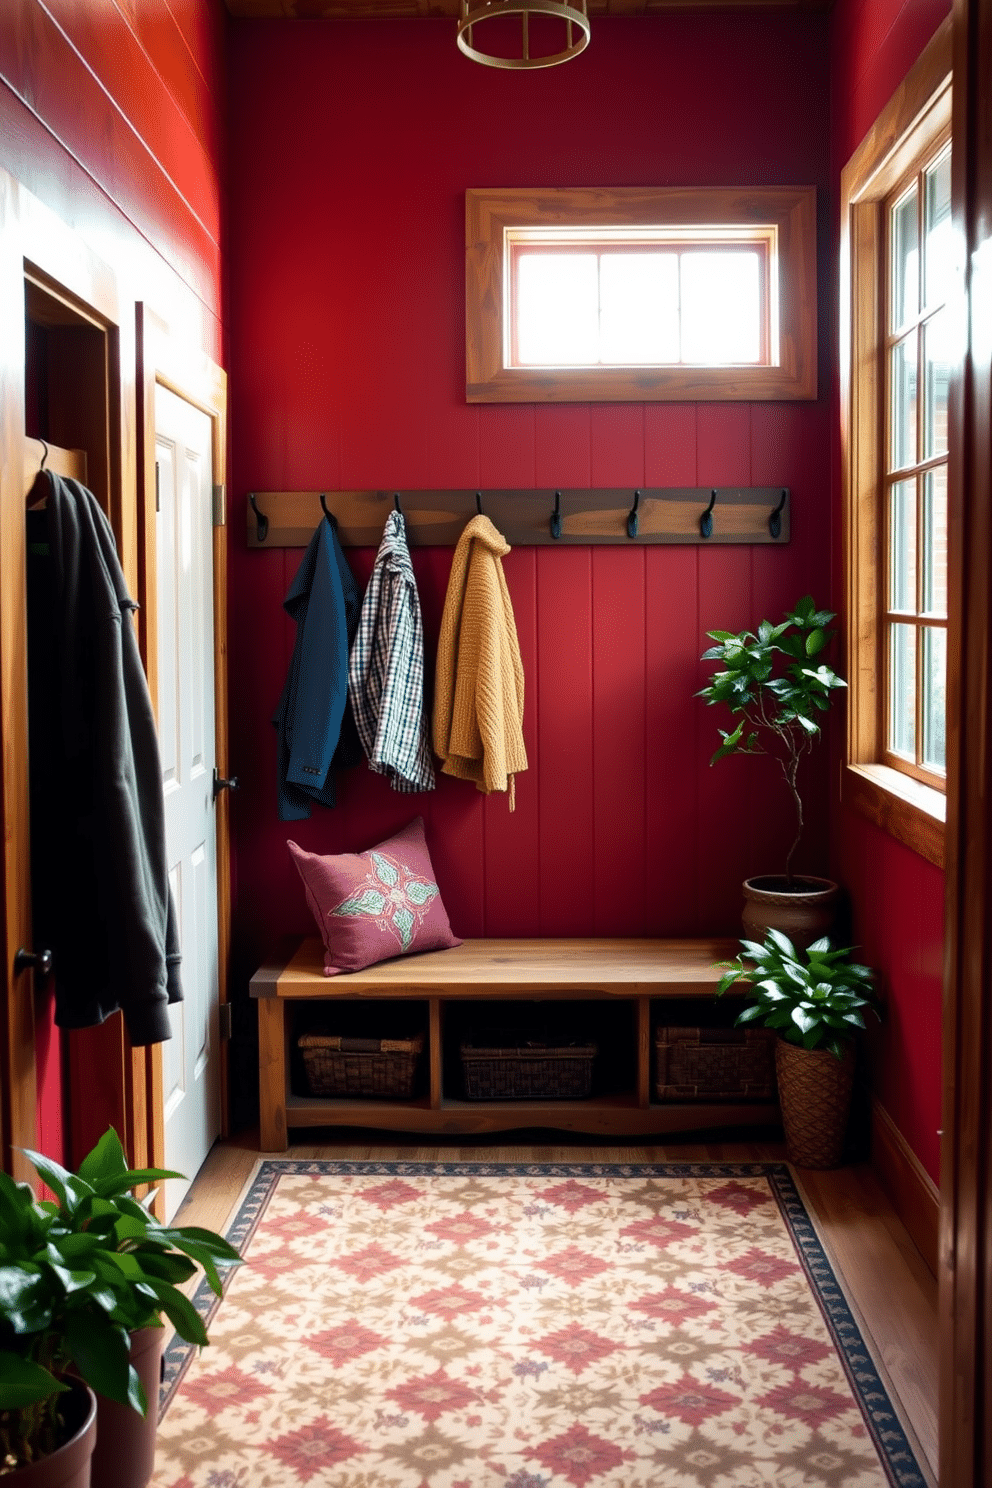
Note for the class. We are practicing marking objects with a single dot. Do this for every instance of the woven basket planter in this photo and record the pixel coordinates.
(814, 1090)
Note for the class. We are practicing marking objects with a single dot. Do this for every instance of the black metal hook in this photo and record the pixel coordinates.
(555, 523)
(706, 520)
(632, 518)
(775, 520)
(478, 503)
(44, 457)
(261, 520)
(396, 502)
(328, 514)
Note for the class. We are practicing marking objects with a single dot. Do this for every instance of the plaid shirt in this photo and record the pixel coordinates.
(386, 668)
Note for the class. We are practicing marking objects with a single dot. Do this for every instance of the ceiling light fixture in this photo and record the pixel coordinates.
(474, 14)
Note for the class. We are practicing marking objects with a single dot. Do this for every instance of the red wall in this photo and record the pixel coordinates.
(353, 144)
(897, 897)
(113, 116)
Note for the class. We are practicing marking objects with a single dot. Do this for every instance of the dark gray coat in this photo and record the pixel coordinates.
(100, 882)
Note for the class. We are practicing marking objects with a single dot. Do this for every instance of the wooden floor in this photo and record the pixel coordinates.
(883, 1273)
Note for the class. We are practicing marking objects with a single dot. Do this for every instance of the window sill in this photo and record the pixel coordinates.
(912, 813)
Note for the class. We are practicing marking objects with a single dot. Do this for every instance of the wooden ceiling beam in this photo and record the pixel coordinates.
(363, 10)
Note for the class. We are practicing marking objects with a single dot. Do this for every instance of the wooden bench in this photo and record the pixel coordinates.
(638, 972)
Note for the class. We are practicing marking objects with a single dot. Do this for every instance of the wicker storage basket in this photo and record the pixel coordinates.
(715, 1064)
(357, 1066)
(527, 1071)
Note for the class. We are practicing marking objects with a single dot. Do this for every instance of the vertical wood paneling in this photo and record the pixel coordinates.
(361, 341)
(723, 443)
(618, 658)
(564, 763)
(673, 746)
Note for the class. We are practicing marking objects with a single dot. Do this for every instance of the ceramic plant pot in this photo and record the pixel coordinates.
(814, 1091)
(69, 1465)
(803, 911)
(125, 1445)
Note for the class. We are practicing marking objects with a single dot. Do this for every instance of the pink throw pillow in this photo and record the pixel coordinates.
(373, 905)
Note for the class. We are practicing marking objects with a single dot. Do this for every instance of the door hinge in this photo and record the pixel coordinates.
(226, 1013)
(220, 506)
(158, 487)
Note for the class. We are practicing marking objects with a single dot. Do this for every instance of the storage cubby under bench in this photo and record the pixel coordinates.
(636, 981)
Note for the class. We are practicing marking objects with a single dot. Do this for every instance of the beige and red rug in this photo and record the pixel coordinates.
(477, 1325)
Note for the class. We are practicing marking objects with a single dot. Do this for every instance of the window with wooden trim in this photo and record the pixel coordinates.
(594, 295)
(896, 363)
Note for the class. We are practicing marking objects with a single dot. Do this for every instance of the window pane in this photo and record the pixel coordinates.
(934, 697)
(904, 260)
(902, 690)
(937, 227)
(639, 307)
(936, 372)
(721, 307)
(902, 546)
(902, 369)
(557, 309)
(935, 541)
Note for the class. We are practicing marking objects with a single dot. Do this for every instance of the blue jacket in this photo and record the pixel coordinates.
(316, 729)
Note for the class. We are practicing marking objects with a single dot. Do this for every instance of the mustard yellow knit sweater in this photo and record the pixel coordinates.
(479, 685)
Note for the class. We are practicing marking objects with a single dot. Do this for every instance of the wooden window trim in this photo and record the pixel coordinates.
(914, 120)
(792, 209)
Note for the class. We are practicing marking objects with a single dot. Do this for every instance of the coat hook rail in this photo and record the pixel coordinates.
(670, 514)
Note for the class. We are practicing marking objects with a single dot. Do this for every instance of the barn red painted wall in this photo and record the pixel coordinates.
(353, 144)
(897, 897)
(113, 115)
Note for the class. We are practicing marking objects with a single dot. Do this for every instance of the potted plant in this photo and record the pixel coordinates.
(84, 1279)
(777, 683)
(815, 1000)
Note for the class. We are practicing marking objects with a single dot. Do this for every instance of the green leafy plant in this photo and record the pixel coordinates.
(78, 1275)
(772, 678)
(817, 1002)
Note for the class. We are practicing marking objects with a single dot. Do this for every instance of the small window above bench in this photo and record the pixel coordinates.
(580, 294)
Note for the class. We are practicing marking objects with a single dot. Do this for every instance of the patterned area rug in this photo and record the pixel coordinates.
(484, 1325)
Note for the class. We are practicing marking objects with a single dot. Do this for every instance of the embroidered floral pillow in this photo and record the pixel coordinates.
(373, 905)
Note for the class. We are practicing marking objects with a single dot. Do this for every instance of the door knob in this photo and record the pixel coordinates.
(40, 960)
(221, 784)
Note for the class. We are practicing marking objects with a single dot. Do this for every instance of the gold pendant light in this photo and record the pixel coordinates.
(474, 14)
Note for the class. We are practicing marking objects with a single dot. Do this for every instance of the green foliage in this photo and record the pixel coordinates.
(817, 1005)
(77, 1277)
(775, 681)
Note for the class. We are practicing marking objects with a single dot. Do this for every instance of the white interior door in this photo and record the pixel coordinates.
(184, 556)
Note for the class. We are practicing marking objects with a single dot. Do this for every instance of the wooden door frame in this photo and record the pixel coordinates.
(965, 1274)
(35, 239)
(164, 361)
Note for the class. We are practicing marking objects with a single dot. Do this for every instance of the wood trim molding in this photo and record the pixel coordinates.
(965, 1277)
(915, 119)
(914, 1195)
(792, 209)
(911, 812)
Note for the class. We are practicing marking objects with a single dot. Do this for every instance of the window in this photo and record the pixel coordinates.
(593, 295)
(897, 281)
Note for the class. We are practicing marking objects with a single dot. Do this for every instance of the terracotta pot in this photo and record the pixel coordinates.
(814, 1091)
(803, 912)
(125, 1443)
(69, 1465)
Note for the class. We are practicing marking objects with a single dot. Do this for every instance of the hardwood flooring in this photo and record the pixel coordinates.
(882, 1272)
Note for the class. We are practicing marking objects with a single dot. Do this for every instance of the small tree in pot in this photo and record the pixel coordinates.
(776, 682)
(816, 1001)
(80, 1278)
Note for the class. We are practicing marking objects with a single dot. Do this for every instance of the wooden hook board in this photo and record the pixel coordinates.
(437, 518)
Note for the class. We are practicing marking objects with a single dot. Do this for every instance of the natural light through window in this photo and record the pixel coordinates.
(917, 336)
(615, 304)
